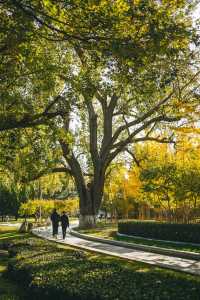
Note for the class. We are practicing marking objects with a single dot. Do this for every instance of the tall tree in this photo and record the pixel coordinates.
(118, 97)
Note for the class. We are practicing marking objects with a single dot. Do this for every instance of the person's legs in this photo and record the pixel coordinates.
(64, 231)
(54, 229)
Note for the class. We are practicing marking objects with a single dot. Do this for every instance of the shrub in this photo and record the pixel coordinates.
(164, 231)
(53, 273)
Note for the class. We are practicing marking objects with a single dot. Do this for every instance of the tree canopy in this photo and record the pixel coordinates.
(101, 76)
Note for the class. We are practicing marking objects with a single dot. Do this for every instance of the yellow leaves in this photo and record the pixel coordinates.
(191, 130)
(187, 130)
(121, 5)
(46, 206)
(174, 2)
(118, 6)
(52, 8)
(63, 135)
(186, 107)
(136, 2)
(123, 187)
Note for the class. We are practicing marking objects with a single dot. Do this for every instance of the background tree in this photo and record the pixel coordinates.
(121, 191)
(170, 178)
(10, 200)
(41, 208)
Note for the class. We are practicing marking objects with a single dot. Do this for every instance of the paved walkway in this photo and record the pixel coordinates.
(175, 263)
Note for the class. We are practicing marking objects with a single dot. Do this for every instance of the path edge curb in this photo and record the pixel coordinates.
(153, 249)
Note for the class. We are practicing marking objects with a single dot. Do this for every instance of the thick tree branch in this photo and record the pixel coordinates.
(47, 172)
(102, 100)
(107, 124)
(155, 139)
(93, 132)
(154, 109)
(51, 104)
(113, 103)
(133, 156)
(75, 168)
(122, 144)
(140, 119)
(27, 121)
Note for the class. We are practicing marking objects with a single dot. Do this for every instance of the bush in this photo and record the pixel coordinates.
(189, 233)
(53, 273)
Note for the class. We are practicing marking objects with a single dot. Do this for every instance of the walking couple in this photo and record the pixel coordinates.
(55, 219)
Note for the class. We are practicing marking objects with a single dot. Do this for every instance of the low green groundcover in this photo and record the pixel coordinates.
(53, 273)
(189, 233)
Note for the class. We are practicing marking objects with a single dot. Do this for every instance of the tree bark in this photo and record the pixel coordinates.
(90, 202)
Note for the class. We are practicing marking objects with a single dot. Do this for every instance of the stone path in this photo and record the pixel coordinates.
(169, 262)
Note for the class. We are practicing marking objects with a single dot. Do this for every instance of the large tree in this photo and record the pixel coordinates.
(111, 101)
(30, 30)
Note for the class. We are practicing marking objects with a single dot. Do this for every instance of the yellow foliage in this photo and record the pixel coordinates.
(31, 207)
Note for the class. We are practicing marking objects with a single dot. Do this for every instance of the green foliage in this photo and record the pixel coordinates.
(163, 231)
(10, 199)
(66, 273)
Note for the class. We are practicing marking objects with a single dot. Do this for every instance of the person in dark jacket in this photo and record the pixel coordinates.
(55, 219)
(64, 223)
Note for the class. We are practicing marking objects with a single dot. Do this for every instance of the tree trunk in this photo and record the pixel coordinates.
(87, 221)
(90, 202)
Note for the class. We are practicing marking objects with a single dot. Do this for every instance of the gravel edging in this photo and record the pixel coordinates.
(154, 249)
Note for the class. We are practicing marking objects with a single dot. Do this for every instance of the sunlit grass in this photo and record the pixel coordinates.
(5, 229)
(8, 232)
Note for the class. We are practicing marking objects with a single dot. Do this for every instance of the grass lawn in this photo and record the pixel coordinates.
(61, 272)
(8, 289)
(109, 231)
(49, 271)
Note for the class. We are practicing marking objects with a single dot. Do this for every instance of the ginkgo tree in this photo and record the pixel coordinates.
(169, 177)
(122, 188)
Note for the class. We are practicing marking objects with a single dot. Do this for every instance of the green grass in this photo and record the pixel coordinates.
(109, 231)
(54, 272)
(8, 289)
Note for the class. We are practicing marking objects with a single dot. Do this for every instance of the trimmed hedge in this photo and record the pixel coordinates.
(188, 233)
(52, 273)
